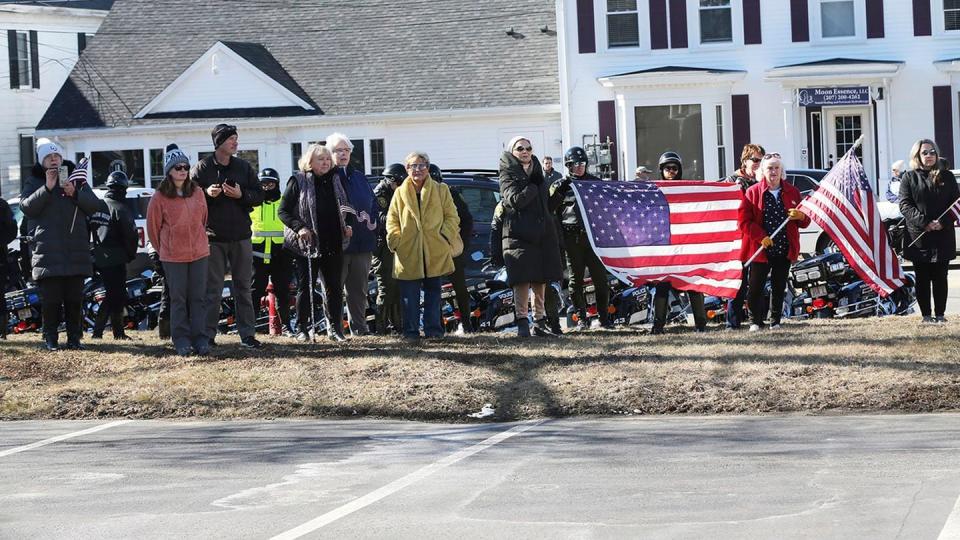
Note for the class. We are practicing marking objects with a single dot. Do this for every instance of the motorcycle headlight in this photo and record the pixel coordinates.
(800, 277)
(813, 274)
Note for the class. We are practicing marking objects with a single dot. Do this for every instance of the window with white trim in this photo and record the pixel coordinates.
(837, 18)
(716, 21)
(623, 24)
(951, 15)
(24, 69)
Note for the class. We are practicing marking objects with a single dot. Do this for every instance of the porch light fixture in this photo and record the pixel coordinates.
(546, 30)
(514, 34)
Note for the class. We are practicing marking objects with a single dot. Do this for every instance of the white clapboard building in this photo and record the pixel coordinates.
(804, 78)
(454, 79)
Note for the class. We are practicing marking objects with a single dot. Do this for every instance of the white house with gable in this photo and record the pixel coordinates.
(43, 41)
(804, 78)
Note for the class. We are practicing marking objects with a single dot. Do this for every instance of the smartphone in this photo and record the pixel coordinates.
(231, 183)
(63, 175)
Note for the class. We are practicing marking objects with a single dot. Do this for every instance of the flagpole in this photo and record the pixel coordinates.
(917, 239)
(756, 254)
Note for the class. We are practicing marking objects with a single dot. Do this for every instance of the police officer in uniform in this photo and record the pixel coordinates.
(671, 168)
(580, 255)
(270, 261)
(388, 293)
(115, 244)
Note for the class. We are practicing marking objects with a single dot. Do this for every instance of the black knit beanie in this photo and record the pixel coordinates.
(221, 133)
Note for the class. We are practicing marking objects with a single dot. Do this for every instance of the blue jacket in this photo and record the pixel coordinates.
(361, 198)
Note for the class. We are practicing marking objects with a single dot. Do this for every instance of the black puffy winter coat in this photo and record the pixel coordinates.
(61, 238)
(922, 202)
(531, 251)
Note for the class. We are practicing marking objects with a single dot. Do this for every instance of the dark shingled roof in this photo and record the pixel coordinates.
(102, 5)
(357, 57)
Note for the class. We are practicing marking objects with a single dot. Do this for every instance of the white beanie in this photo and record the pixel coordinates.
(173, 157)
(513, 142)
(45, 147)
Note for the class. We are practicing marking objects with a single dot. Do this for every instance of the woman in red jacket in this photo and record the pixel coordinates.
(765, 206)
(177, 228)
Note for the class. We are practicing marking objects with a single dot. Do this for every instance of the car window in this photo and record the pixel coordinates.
(137, 206)
(803, 182)
(481, 201)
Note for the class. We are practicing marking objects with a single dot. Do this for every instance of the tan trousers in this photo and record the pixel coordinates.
(521, 299)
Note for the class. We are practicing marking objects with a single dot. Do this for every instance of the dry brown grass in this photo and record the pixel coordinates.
(889, 364)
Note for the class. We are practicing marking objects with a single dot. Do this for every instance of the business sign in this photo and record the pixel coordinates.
(832, 96)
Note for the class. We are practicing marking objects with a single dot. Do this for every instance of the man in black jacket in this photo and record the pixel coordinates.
(388, 293)
(8, 231)
(232, 190)
(580, 255)
(115, 245)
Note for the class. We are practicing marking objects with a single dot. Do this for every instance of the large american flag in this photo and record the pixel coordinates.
(682, 232)
(844, 207)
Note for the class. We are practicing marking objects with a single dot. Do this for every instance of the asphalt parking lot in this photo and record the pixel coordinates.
(667, 477)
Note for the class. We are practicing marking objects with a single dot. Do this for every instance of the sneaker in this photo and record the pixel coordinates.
(336, 337)
(583, 324)
(250, 342)
(303, 337)
(185, 351)
(940, 319)
(555, 327)
(50, 346)
(775, 325)
(928, 320)
(755, 327)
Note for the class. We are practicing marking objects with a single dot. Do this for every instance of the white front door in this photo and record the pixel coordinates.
(843, 126)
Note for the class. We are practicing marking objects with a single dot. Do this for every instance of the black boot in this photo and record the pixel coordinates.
(541, 328)
(554, 323)
(100, 323)
(163, 328)
(523, 327)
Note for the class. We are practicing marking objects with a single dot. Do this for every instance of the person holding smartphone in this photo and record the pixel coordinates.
(56, 208)
(232, 190)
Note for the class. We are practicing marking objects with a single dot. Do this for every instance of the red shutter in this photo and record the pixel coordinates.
(799, 20)
(586, 27)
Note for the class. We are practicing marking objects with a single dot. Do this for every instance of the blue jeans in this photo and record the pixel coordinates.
(410, 302)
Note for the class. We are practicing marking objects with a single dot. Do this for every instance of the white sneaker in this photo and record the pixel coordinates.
(754, 327)
(775, 326)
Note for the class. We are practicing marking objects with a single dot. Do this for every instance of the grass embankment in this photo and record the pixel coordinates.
(889, 364)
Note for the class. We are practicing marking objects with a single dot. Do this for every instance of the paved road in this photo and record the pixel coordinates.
(687, 477)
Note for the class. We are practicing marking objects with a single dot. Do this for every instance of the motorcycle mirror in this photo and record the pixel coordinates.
(476, 255)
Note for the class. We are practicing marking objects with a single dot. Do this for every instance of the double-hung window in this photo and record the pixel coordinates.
(716, 21)
(951, 15)
(623, 24)
(837, 19)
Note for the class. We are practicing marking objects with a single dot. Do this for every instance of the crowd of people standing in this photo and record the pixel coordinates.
(220, 216)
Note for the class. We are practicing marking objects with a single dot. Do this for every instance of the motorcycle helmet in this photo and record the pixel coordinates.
(395, 172)
(117, 180)
(574, 154)
(436, 173)
(269, 175)
(671, 157)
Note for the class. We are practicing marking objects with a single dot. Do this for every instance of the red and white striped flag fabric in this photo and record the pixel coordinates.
(79, 174)
(955, 211)
(844, 207)
(681, 232)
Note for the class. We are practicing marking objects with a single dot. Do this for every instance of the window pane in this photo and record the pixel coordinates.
(377, 159)
(156, 165)
(837, 19)
(715, 25)
(128, 161)
(23, 59)
(951, 14)
(671, 127)
(623, 30)
(480, 201)
(621, 5)
(296, 150)
(252, 157)
(356, 157)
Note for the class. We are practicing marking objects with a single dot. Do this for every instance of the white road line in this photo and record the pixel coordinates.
(59, 438)
(951, 529)
(397, 485)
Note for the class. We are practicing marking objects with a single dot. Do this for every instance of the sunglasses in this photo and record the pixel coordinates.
(772, 155)
(523, 149)
(181, 167)
(577, 164)
(417, 166)
(928, 153)
(673, 168)
(755, 159)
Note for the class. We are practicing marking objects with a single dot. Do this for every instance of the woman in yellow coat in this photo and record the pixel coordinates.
(423, 232)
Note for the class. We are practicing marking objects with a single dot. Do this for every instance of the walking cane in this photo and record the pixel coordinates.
(917, 239)
(310, 253)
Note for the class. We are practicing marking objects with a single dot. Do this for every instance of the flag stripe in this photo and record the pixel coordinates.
(697, 217)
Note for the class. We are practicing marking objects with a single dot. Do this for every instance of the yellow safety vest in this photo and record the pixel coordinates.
(267, 228)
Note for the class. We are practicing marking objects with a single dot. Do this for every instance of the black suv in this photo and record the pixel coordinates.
(481, 191)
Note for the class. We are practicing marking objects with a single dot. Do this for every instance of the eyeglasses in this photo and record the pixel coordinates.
(928, 153)
(342, 150)
(772, 155)
(181, 167)
(417, 166)
(523, 149)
